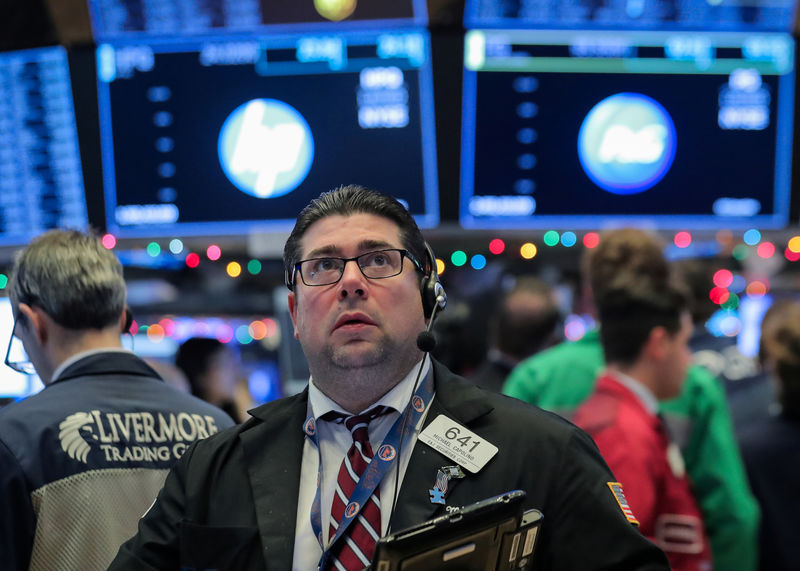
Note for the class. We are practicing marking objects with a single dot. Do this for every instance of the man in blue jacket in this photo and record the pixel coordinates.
(82, 460)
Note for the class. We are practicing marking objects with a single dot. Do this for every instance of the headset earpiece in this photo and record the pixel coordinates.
(126, 328)
(433, 293)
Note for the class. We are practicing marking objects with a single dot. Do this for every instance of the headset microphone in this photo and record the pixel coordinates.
(426, 340)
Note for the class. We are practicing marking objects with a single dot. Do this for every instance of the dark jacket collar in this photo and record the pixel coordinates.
(108, 363)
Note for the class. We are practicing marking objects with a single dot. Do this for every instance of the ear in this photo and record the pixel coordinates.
(293, 312)
(657, 346)
(37, 321)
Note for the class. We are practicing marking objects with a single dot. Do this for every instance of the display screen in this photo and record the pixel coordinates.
(41, 184)
(733, 15)
(588, 129)
(232, 136)
(13, 384)
(117, 19)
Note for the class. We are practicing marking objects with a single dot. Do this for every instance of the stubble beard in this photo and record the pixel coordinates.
(367, 372)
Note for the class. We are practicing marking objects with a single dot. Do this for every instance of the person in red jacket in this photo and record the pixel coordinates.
(645, 331)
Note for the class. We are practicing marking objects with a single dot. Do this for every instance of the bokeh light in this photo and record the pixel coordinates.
(723, 278)
(3, 281)
(757, 288)
(528, 250)
(153, 249)
(192, 260)
(591, 240)
(497, 246)
(730, 325)
(155, 333)
(254, 267)
(551, 238)
(682, 239)
(440, 266)
(724, 237)
(243, 334)
(478, 261)
(766, 249)
(731, 303)
(752, 237)
(224, 333)
(234, 269)
(574, 328)
(108, 241)
(738, 284)
(794, 244)
(719, 295)
(258, 330)
(740, 251)
(213, 252)
(175, 246)
(569, 239)
(791, 256)
(458, 258)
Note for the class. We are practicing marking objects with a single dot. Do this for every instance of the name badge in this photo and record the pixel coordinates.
(458, 443)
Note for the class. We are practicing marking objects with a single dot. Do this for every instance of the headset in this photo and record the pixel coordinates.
(434, 297)
(126, 327)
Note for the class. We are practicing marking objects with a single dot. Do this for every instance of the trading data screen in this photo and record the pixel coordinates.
(41, 184)
(118, 19)
(731, 15)
(586, 129)
(224, 136)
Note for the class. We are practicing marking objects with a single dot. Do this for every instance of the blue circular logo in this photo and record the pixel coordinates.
(309, 427)
(386, 452)
(265, 148)
(627, 143)
(352, 509)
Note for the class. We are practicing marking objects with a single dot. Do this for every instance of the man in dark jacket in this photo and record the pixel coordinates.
(298, 487)
(82, 460)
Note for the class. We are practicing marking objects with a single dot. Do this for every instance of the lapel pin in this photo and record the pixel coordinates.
(443, 477)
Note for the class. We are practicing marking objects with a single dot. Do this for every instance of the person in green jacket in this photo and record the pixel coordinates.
(562, 377)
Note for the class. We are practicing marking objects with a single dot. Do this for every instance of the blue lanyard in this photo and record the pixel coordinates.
(382, 461)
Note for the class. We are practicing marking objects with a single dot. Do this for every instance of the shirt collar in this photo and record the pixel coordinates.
(78, 356)
(645, 395)
(396, 398)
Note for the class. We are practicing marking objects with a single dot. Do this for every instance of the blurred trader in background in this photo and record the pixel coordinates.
(272, 492)
(770, 446)
(747, 386)
(523, 323)
(562, 377)
(82, 460)
(215, 375)
(645, 332)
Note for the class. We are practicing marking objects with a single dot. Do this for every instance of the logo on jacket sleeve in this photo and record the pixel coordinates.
(619, 495)
(132, 437)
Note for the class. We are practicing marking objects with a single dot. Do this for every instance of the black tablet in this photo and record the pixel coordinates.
(488, 535)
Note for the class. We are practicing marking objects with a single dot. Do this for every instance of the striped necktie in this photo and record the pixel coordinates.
(353, 551)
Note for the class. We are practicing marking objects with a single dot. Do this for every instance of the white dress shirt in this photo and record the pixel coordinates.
(335, 440)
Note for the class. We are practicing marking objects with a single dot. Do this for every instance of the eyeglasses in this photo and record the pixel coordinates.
(374, 265)
(16, 358)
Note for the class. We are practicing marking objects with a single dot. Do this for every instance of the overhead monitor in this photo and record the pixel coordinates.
(119, 19)
(588, 129)
(41, 184)
(229, 136)
(729, 15)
